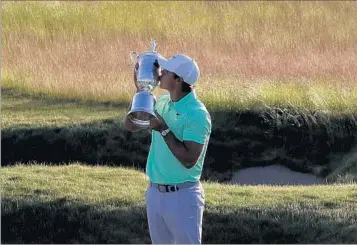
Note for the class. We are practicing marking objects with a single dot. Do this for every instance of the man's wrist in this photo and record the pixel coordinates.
(164, 128)
(164, 131)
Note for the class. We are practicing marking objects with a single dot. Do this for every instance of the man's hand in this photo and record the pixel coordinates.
(129, 125)
(158, 124)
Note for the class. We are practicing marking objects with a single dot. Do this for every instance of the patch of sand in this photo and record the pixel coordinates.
(274, 175)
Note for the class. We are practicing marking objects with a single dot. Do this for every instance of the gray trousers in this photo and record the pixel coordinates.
(175, 217)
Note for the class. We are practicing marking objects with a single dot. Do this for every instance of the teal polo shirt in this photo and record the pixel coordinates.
(188, 119)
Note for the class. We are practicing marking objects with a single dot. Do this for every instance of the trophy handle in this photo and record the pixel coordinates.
(131, 56)
(153, 45)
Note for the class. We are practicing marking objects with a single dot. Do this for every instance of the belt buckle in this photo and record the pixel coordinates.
(168, 188)
(164, 189)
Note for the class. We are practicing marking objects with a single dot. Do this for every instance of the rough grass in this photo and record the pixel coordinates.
(345, 167)
(324, 96)
(257, 25)
(252, 54)
(81, 204)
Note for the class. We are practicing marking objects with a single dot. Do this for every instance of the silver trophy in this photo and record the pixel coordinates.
(142, 106)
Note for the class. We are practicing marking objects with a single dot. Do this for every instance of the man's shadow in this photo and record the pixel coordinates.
(118, 221)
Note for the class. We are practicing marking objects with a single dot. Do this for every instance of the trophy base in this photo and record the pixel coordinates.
(142, 109)
(141, 124)
(141, 117)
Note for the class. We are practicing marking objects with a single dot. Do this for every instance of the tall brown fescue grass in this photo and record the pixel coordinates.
(250, 53)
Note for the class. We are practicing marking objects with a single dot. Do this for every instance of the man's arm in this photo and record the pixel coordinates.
(187, 152)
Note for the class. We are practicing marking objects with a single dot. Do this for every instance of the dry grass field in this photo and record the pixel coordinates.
(251, 54)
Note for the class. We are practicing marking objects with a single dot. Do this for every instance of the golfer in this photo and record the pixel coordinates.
(175, 197)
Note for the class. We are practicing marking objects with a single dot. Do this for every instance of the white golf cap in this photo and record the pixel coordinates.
(182, 66)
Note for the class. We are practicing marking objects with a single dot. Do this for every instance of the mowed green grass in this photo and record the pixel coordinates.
(21, 110)
(81, 204)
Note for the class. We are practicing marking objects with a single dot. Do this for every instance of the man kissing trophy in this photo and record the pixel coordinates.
(142, 106)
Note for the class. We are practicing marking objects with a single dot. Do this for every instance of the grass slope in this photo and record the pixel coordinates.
(81, 204)
(45, 129)
(21, 110)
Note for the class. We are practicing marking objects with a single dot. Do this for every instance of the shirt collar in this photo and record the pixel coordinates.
(180, 105)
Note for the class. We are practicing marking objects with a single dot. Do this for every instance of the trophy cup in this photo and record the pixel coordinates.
(142, 107)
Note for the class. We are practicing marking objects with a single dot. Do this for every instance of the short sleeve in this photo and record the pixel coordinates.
(197, 127)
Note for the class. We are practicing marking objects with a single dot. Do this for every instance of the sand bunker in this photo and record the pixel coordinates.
(274, 175)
